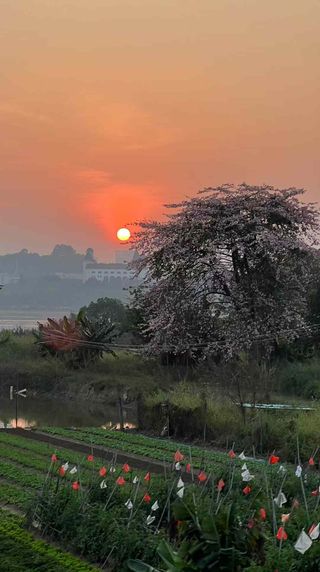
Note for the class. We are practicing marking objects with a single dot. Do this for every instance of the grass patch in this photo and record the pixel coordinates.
(21, 362)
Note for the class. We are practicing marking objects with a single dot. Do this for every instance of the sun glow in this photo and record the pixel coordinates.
(123, 234)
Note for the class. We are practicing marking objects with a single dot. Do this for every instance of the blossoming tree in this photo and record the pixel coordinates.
(227, 271)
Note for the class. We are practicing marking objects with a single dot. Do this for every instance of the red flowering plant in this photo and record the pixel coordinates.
(245, 506)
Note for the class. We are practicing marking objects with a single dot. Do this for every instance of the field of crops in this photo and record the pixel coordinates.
(208, 510)
(21, 552)
(141, 445)
(23, 468)
(24, 464)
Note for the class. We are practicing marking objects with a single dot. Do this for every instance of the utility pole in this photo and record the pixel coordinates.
(15, 393)
(120, 409)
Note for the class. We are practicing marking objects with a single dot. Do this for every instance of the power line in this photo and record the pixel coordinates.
(219, 343)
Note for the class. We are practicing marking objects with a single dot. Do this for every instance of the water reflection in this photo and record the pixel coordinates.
(22, 423)
(111, 425)
(27, 319)
(35, 412)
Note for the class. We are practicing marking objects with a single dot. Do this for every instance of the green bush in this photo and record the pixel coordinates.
(300, 378)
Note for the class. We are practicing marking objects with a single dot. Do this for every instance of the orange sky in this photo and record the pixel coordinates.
(109, 108)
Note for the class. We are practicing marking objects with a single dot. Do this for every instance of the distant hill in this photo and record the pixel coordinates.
(63, 258)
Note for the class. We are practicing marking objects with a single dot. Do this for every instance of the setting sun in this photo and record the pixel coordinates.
(123, 234)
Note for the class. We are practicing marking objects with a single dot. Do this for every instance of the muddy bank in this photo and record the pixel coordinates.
(74, 386)
(22, 365)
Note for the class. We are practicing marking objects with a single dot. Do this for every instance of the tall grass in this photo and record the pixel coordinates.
(21, 362)
(300, 378)
(204, 414)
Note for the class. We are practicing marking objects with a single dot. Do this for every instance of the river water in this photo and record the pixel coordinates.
(27, 319)
(39, 412)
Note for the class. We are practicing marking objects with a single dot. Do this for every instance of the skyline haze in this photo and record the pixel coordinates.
(111, 108)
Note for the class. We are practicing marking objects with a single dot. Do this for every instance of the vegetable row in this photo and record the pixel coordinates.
(20, 551)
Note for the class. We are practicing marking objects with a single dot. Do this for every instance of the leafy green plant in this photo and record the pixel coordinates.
(20, 551)
(77, 341)
(214, 543)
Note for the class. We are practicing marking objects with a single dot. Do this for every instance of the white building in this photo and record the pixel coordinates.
(106, 271)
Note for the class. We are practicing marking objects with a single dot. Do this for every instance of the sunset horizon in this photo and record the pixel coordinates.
(159, 285)
(109, 110)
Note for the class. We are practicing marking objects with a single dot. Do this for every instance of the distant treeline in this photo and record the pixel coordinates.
(63, 258)
(39, 286)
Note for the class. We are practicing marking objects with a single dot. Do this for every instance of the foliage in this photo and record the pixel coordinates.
(35, 462)
(21, 552)
(21, 363)
(137, 314)
(4, 338)
(107, 309)
(207, 542)
(24, 467)
(20, 475)
(207, 529)
(98, 534)
(77, 341)
(34, 453)
(13, 495)
(161, 449)
(217, 524)
(227, 272)
(300, 378)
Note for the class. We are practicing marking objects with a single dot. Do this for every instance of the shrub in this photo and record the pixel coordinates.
(300, 378)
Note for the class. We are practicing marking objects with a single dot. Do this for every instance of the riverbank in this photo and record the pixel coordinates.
(161, 400)
(22, 365)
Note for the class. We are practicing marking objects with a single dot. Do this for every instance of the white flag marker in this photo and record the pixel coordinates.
(280, 500)
(303, 543)
(180, 493)
(246, 476)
